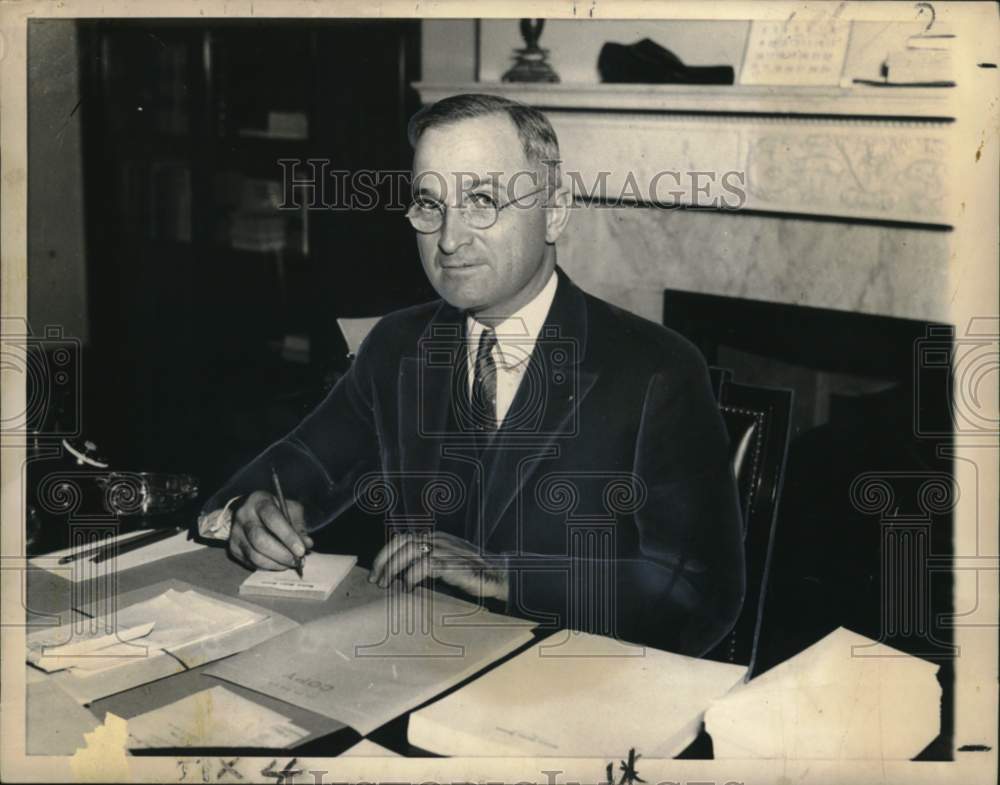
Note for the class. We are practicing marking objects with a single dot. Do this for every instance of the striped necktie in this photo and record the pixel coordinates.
(484, 383)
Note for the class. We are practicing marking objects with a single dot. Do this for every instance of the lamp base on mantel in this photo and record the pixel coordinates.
(531, 66)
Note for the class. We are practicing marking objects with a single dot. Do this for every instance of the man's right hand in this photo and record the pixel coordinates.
(262, 538)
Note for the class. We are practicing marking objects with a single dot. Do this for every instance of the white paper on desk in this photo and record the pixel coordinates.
(214, 717)
(348, 666)
(575, 694)
(54, 722)
(179, 619)
(84, 569)
(321, 574)
(164, 549)
(83, 651)
(183, 618)
(845, 697)
(171, 620)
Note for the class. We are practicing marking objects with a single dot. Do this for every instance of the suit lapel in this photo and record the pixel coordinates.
(544, 411)
(428, 380)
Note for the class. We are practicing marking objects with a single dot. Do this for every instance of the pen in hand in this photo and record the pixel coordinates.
(284, 511)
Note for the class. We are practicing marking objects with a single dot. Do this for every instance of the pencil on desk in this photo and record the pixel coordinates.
(93, 550)
(134, 544)
(284, 511)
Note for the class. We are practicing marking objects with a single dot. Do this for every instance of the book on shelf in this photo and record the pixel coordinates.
(257, 221)
(286, 126)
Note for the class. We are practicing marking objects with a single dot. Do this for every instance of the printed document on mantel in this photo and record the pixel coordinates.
(367, 665)
(575, 694)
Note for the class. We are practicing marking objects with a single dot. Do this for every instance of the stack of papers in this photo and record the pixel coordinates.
(213, 718)
(88, 652)
(576, 694)
(321, 574)
(845, 697)
(170, 621)
(144, 641)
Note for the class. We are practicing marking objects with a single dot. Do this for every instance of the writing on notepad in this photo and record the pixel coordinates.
(321, 574)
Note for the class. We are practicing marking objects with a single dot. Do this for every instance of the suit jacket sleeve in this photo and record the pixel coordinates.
(320, 461)
(682, 587)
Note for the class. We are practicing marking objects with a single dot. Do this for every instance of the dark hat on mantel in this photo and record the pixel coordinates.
(646, 62)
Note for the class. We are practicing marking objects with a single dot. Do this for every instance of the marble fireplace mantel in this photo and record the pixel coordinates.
(856, 153)
(875, 160)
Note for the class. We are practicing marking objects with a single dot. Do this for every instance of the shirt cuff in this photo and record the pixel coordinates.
(217, 524)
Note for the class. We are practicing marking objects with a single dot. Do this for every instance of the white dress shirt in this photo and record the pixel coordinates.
(516, 337)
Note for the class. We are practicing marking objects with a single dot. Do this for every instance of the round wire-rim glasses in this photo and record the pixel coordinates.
(479, 210)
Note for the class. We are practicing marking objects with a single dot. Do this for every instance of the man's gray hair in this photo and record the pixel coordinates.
(538, 138)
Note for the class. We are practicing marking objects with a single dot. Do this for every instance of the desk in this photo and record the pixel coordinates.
(212, 569)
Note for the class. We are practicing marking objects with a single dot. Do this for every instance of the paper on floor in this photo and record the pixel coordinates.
(845, 697)
(214, 717)
(576, 694)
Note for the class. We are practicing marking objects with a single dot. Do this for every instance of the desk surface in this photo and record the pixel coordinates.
(51, 596)
(210, 568)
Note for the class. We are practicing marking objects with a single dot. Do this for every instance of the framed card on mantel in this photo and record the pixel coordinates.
(795, 52)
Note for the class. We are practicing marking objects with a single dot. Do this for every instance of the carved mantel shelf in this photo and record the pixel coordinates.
(863, 153)
(915, 103)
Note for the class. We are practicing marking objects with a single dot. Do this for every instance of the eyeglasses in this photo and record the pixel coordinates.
(479, 210)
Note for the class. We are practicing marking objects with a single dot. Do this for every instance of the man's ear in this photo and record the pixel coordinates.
(557, 212)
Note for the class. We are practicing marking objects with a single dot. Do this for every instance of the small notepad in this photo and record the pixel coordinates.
(321, 574)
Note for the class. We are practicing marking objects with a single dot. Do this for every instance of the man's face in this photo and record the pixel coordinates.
(494, 270)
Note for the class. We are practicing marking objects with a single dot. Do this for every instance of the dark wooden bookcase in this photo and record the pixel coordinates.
(195, 277)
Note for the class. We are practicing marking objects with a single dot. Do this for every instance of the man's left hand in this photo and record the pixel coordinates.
(415, 557)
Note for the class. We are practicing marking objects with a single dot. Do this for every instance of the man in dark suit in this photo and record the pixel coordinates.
(529, 445)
